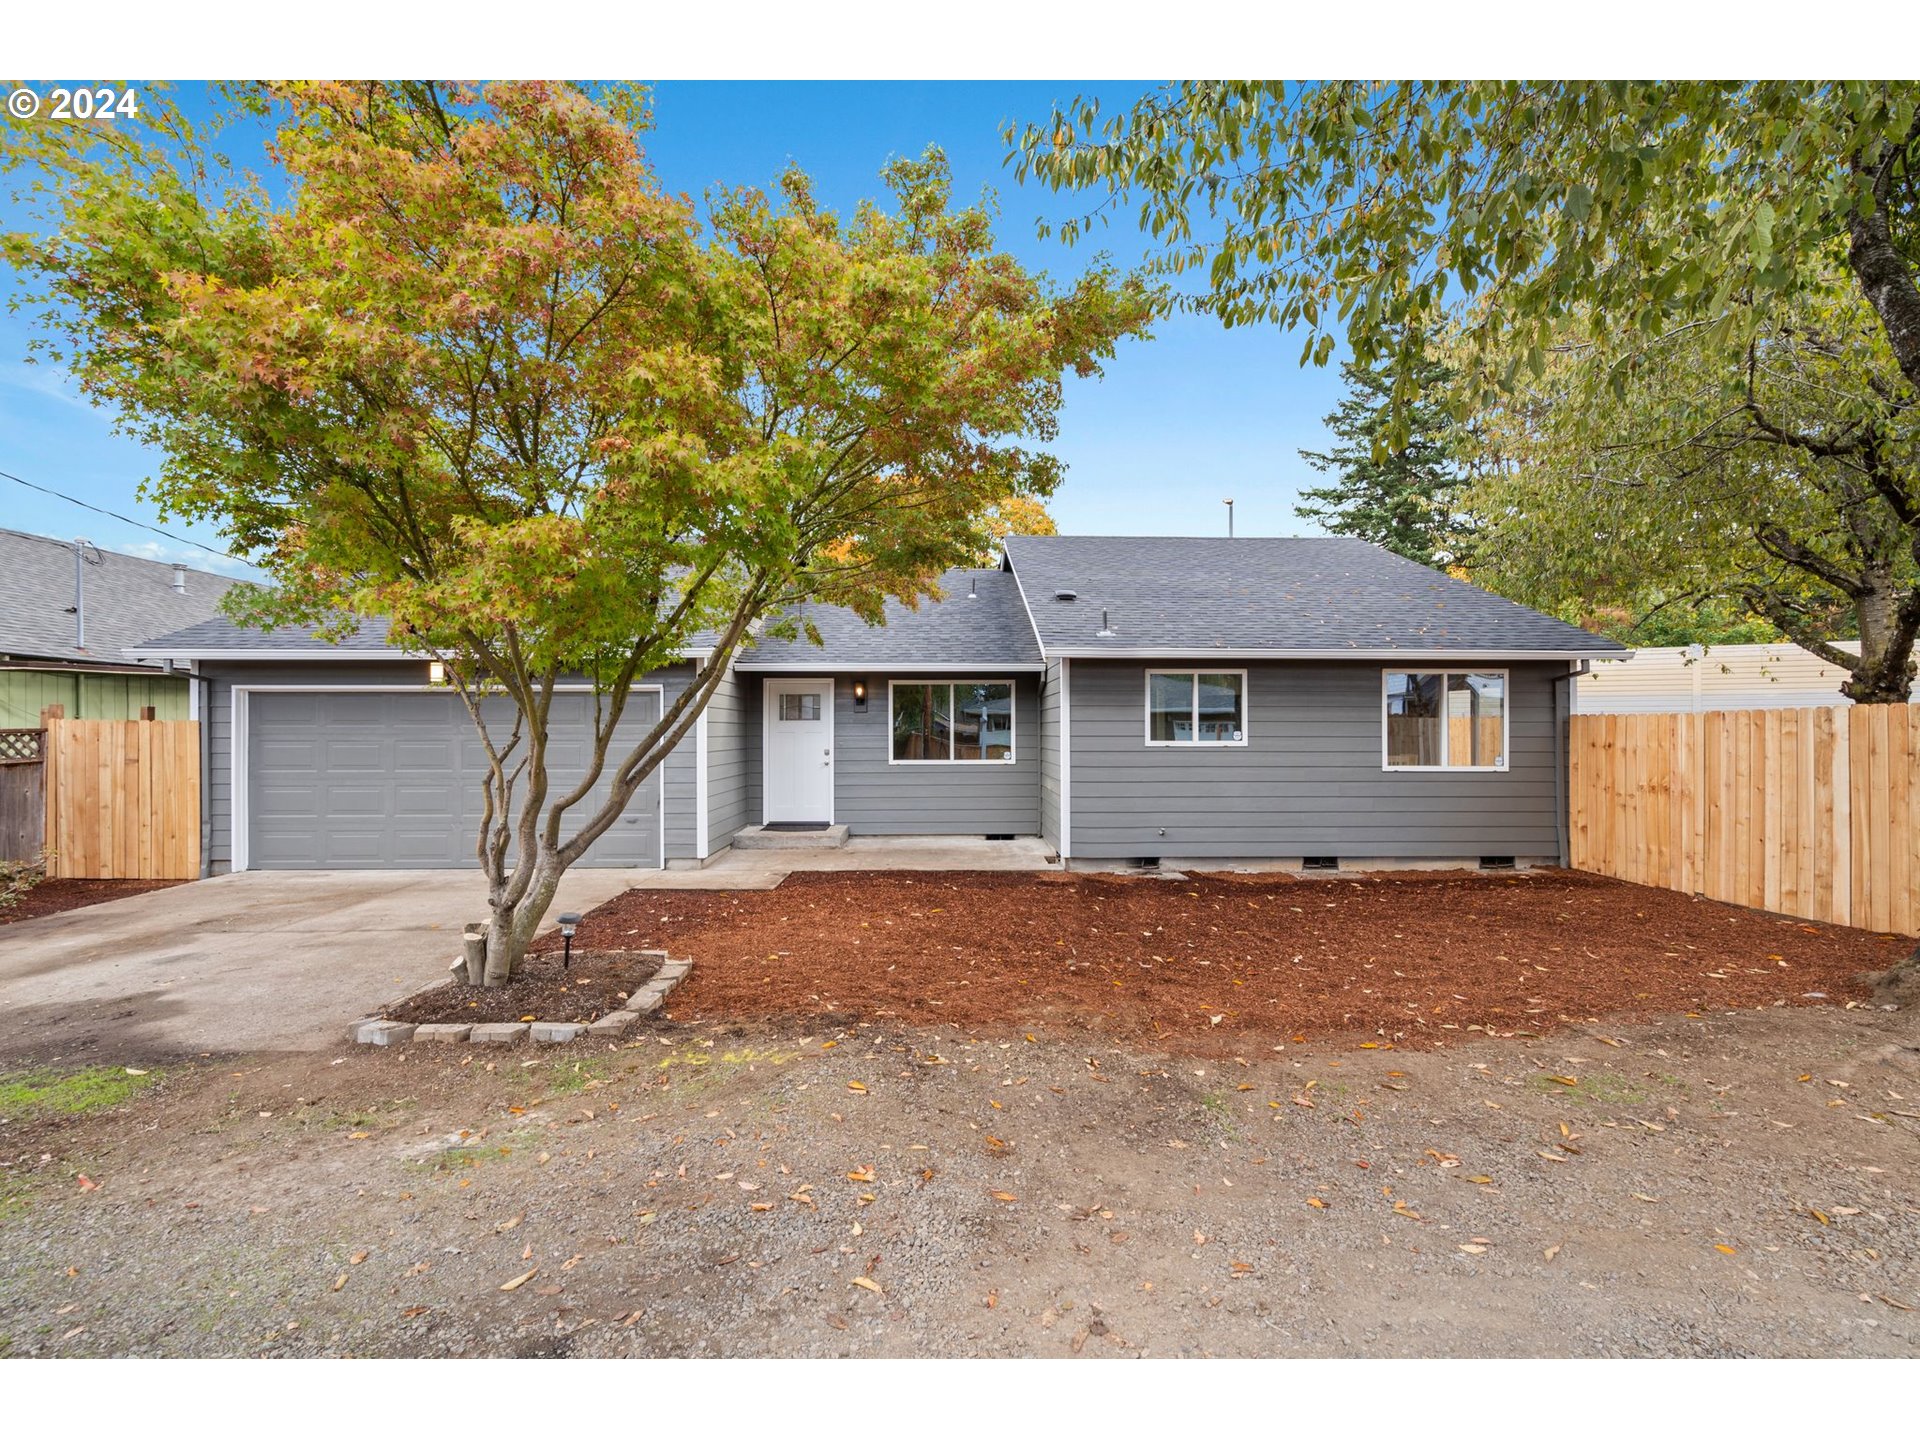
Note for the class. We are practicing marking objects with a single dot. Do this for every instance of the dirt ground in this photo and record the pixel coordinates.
(1734, 1184)
(1211, 964)
(596, 983)
(50, 897)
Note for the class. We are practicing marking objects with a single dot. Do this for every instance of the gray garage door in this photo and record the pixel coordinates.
(360, 781)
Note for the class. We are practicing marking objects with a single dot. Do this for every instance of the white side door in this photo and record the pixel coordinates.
(797, 756)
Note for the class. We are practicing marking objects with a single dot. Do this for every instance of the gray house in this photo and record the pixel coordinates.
(1315, 701)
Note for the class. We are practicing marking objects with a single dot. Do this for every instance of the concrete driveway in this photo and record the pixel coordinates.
(268, 960)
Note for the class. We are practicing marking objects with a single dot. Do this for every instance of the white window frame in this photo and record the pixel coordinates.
(1013, 713)
(1506, 720)
(1196, 671)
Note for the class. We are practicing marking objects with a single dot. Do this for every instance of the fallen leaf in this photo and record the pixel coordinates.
(1550, 1252)
(1316, 1202)
(1726, 1250)
(86, 1184)
(1003, 1197)
(1479, 1179)
(1549, 1155)
(867, 1282)
(519, 1280)
(856, 1087)
(357, 1257)
(340, 1281)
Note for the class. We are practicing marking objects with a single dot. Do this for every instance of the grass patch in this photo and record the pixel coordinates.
(1599, 1087)
(32, 1094)
(15, 1193)
(570, 1077)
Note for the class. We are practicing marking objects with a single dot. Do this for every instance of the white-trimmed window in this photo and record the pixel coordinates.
(1444, 720)
(1196, 707)
(948, 722)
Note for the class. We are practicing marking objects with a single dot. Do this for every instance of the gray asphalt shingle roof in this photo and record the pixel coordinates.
(367, 640)
(1161, 596)
(979, 622)
(1181, 596)
(127, 600)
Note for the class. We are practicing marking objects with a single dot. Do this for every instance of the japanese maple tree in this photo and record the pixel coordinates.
(476, 373)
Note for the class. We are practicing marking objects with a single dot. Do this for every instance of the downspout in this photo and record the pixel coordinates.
(1562, 723)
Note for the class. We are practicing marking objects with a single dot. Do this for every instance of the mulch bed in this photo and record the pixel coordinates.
(598, 983)
(50, 897)
(1215, 964)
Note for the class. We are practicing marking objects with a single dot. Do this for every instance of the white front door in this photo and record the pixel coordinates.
(797, 758)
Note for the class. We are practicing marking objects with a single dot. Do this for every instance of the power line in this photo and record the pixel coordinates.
(123, 519)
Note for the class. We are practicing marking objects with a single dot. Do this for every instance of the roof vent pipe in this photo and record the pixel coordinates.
(1105, 630)
(179, 579)
(973, 587)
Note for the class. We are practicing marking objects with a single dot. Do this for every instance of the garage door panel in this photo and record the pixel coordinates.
(349, 780)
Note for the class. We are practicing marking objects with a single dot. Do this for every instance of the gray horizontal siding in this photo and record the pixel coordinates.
(677, 777)
(727, 767)
(1308, 781)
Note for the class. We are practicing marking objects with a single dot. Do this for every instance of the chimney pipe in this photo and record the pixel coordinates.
(179, 579)
(1229, 505)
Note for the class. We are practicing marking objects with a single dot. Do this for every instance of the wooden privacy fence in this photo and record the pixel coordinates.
(123, 799)
(23, 793)
(1811, 812)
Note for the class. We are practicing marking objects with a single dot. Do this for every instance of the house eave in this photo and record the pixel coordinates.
(894, 667)
(141, 652)
(1162, 652)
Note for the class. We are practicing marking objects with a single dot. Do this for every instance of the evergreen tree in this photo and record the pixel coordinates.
(1396, 494)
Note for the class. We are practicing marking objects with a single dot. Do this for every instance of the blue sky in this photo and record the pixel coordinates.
(1177, 424)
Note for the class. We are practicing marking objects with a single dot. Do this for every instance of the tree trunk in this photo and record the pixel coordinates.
(515, 923)
(474, 945)
(1887, 622)
(1889, 287)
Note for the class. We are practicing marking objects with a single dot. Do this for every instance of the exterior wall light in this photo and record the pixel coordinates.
(569, 922)
(436, 672)
(860, 695)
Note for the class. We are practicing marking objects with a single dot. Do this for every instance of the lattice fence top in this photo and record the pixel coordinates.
(19, 747)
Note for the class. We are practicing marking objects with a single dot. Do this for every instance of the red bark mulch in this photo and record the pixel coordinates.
(597, 983)
(1214, 964)
(50, 897)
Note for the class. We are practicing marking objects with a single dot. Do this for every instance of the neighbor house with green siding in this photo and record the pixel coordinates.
(68, 612)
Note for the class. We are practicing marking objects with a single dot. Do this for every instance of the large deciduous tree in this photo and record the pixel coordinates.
(477, 374)
(1519, 221)
(1677, 466)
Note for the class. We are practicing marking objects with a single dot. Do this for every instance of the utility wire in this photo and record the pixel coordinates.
(123, 519)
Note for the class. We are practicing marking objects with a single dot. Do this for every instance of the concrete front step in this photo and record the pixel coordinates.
(760, 838)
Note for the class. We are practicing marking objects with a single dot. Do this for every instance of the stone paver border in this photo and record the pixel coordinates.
(645, 1001)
